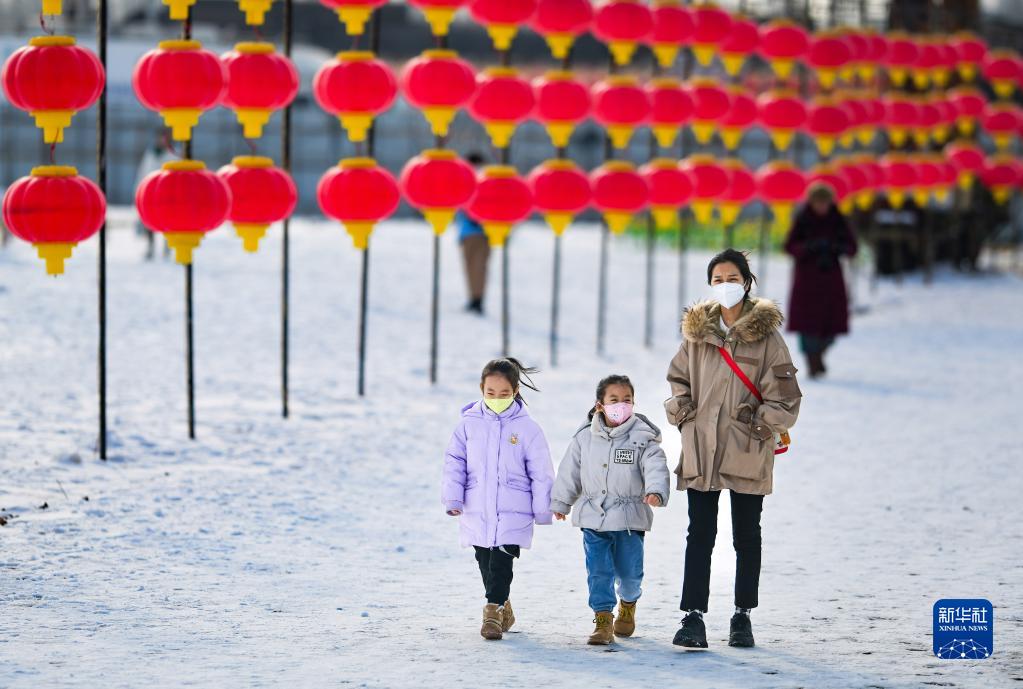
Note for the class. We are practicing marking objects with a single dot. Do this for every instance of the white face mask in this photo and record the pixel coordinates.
(728, 294)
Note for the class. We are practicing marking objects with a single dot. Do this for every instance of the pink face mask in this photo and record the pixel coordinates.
(617, 413)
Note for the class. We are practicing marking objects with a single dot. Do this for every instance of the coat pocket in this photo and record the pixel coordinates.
(691, 465)
(785, 375)
(744, 456)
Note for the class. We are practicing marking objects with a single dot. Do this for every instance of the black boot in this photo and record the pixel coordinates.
(692, 633)
(740, 631)
(475, 306)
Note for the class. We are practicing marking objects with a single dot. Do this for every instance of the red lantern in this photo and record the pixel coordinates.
(971, 51)
(711, 25)
(620, 104)
(438, 183)
(875, 175)
(949, 177)
(856, 113)
(1003, 68)
(968, 159)
(560, 191)
(259, 81)
(970, 105)
(859, 49)
(354, 14)
(1001, 120)
(899, 177)
(928, 178)
(359, 193)
(901, 116)
(877, 54)
(947, 114)
(439, 13)
(671, 107)
(902, 55)
(860, 183)
(826, 121)
(742, 114)
(183, 201)
(927, 118)
(781, 185)
(835, 179)
(560, 22)
(502, 18)
(261, 194)
(710, 182)
(561, 103)
(622, 24)
(502, 199)
(356, 87)
(782, 113)
(829, 52)
(503, 99)
(52, 78)
(941, 74)
(742, 187)
(670, 189)
(876, 114)
(673, 27)
(742, 41)
(711, 103)
(1002, 173)
(618, 193)
(928, 59)
(782, 42)
(179, 80)
(438, 83)
(54, 209)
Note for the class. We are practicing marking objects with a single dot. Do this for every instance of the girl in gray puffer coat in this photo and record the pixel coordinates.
(613, 471)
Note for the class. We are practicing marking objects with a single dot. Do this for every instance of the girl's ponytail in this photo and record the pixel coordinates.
(514, 372)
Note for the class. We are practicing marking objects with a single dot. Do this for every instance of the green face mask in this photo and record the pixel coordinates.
(498, 405)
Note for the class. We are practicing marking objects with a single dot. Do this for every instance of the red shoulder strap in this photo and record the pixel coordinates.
(738, 371)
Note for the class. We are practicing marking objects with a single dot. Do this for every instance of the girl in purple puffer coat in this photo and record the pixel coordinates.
(497, 480)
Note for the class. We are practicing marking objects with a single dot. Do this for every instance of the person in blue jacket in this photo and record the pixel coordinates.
(475, 251)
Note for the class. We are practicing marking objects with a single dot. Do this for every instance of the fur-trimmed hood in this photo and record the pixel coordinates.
(760, 317)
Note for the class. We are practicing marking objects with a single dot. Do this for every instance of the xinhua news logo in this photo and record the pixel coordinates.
(964, 629)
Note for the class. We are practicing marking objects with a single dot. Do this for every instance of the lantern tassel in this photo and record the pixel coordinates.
(622, 52)
(665, 134)
(439, 219)
(357, 125)
(826, 78)
(865, 136)
(664, 217)
(179, 8)
(502, 35)
(252, 121)
(255, 10)
(183, 244)
(617, 221)
(53, 122)
(783, 67)
(704, 54)
(897, 75)
(439, 119)
(497, 232)
(52, 7)
(703, 131)
(864, 200)
(733, 63)
(439, 19)
(967, 71)
(360, 231)
(666, 54)
(181, 121)
(897, 198)
(354, 17)
(560, 44)
(560, 133)
(920, 197)
(965, 180)
(250, 234)
(558, 222)
(782, 138)
(620, 135)
(826, 145)
(703, 211)
(55, 253)
(730, 213)
(782, 215)
(1001, 194)
(731, 136)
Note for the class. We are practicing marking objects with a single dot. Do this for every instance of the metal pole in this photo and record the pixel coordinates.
(374, 44)
(555, 292)
(503, 156)
(101, 179)
(434, 308)
(186, 33)
(286, 234)
(605, 235)
(687, 70)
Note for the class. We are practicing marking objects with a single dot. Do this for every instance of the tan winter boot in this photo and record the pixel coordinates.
(493, 615)
(508, 618)
(625, 623)
(603, 633)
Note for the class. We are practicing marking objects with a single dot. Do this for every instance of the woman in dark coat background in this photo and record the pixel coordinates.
(819, 305)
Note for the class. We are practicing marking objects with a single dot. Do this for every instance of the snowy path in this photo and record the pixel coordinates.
(314, 552)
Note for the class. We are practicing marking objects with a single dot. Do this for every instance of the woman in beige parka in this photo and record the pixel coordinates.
(727, 433)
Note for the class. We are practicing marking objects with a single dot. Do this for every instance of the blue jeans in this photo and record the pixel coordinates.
(613, 559)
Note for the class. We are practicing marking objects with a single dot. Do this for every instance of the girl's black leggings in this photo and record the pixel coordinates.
(703, 528)
(496, 568)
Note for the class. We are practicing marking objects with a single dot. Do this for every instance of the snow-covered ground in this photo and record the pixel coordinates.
(315, 552)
